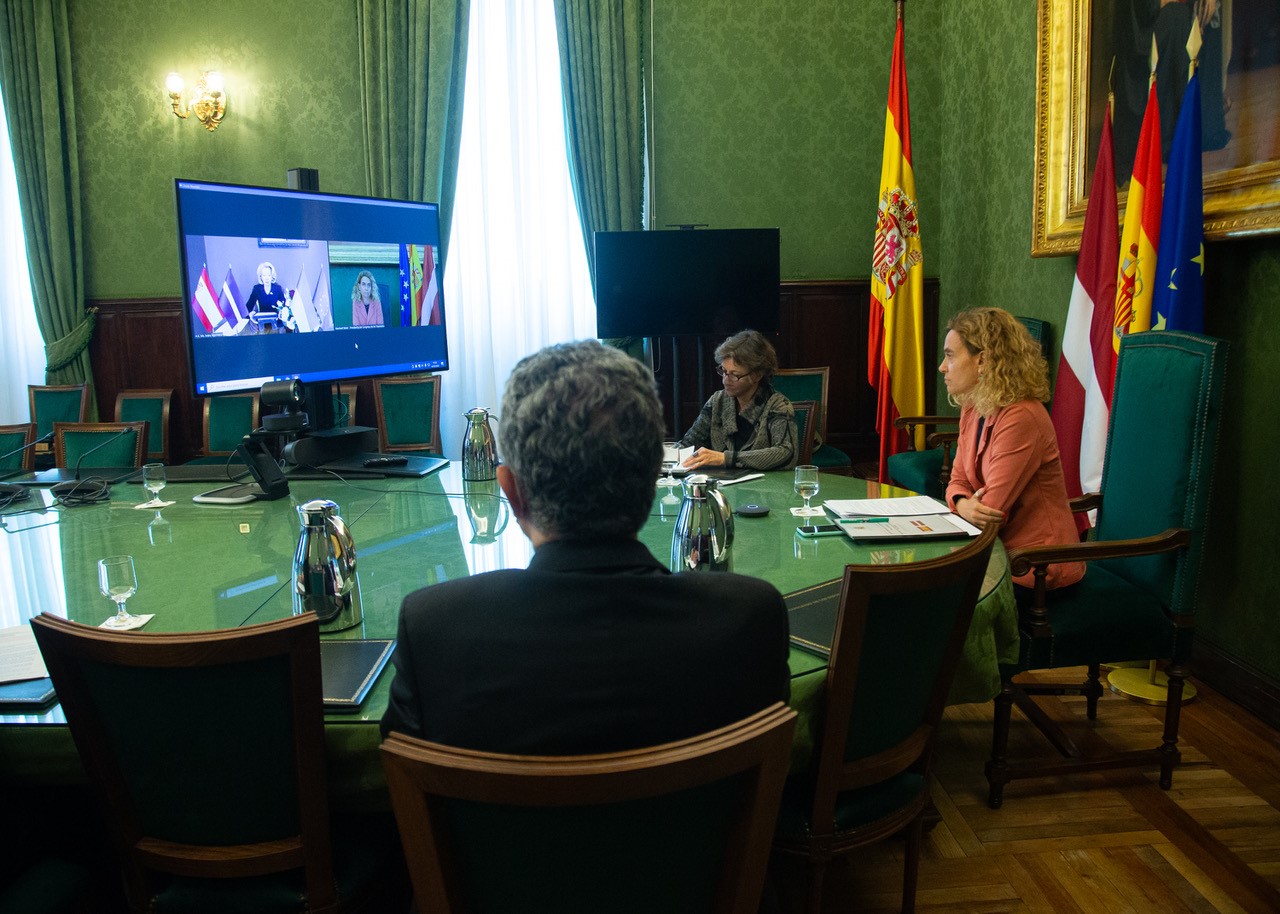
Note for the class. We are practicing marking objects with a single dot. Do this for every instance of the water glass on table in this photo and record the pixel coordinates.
(806, 486)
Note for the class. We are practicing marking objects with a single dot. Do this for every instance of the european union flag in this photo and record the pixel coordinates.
(1179, 294)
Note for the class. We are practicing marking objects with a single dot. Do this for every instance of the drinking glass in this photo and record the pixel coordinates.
(118, 582)
(670, 451)
(806, 487)
(154, 480)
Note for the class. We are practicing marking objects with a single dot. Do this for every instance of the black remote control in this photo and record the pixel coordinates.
(394, 460)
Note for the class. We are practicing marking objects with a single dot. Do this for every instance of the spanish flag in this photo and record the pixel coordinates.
(895, 353)
(1140, 239)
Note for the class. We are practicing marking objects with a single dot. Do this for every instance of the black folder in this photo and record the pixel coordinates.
(349, 668)
(812, 614)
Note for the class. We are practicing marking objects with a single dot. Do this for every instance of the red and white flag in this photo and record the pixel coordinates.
(204, 303)
(1082, 394)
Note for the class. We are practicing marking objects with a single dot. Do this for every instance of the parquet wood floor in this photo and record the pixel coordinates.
(1109, 842)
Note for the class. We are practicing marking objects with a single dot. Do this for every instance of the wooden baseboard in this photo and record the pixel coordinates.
(1243, 684)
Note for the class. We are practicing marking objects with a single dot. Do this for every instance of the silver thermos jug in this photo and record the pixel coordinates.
(479, 447)
(324, 568)
(704, 528)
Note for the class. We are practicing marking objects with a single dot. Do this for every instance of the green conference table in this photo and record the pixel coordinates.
(206, 566)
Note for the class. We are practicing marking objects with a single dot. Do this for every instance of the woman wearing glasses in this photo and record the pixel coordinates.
(747, 424)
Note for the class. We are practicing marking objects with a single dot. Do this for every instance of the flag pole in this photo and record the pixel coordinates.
(899, 4)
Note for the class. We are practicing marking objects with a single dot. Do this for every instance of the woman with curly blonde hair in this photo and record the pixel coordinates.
(1006, 469)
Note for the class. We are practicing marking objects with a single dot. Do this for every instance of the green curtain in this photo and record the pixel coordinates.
(413, 60)
(601, 54)
(35, 76)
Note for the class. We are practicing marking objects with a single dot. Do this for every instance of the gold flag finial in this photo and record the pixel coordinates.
(1193, 47)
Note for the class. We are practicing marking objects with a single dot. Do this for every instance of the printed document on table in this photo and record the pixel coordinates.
(910, 506)
(917, 526)
(19, 655)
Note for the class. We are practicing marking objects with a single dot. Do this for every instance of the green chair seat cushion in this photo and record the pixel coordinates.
(50, 885)
(854, 808)
(828, 456)
(918, 471)
(1101, 618)
(360, 856)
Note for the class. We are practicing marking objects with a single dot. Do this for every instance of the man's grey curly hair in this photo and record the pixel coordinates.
(581, 428)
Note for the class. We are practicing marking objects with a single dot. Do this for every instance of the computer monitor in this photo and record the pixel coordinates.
(704, 281)
(282, 284)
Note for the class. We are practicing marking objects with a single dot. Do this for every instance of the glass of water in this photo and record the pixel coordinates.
(806, 487)
(154, 479)
(118, 582)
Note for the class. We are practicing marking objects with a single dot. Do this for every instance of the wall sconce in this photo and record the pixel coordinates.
(208, 100)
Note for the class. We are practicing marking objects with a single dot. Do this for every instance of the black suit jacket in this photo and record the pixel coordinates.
(595, 647)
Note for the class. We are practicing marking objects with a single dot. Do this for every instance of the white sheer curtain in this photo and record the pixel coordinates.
(517, 276)
(21, 348)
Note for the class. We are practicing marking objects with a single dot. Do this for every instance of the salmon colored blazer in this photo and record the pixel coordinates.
(1016, 459)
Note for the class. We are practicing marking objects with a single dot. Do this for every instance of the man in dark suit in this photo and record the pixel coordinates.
(595, 647)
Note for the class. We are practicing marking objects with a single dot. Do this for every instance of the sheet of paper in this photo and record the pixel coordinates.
(910, 506)
(20, 655)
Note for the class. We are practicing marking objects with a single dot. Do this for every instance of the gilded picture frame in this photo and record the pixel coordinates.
(1239, 201)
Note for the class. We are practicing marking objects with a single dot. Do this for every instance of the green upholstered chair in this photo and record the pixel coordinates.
(811, 384)
(408, 414)
(73, 440)
(226, 420)
(928, 470)
(52, 403)
(13, 437)
(206, 751)
(682, 827)
(806, 428)
(899, 633)
(151, 404)
(1138, 595)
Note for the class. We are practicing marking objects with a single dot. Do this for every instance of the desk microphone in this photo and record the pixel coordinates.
(9, 493)
(87, 491)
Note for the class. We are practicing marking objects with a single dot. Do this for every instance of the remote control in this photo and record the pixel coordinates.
(394, 460)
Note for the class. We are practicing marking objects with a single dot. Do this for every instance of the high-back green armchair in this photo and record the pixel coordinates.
(1138, 596)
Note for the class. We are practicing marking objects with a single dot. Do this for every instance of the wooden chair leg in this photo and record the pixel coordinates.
(997, 768)
(1169, 754)
(911, 869)
(1092, 690)
(818, 861)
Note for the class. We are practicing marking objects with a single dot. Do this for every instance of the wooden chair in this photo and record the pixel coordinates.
(1140, 602)
(207, 751)
(226, 420)
(74, 440)
(806, 427)
(408, 414)
(52, 403)
(679, 827)
(811, 384)
(151, 404)
(899, 633)
(13, 437)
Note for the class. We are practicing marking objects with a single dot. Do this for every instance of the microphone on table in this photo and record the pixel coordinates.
(86, 491)
(9, 493)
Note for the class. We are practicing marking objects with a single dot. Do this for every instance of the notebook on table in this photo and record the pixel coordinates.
(349, 668)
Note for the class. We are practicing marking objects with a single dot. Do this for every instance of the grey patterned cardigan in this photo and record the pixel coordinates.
(772, 446)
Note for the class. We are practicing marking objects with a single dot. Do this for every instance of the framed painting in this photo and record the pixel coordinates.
(1088, 49)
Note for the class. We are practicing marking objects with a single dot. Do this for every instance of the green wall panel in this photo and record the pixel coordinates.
(772, 113)
(293, 91)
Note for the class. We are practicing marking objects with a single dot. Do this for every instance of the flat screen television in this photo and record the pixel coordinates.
(283, 284)
(670, 283)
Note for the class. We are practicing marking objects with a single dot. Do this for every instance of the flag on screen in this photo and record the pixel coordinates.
(204, 303)
(431, 294)
(895, 353)
(301, 305)
(229, 301)
(417, 288)
(320, 298)
(407, 317)
(1082, 392)
(1179, 287)
(1136, 276)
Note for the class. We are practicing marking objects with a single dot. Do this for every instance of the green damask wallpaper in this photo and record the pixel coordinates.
(293, 90)
(772, 113)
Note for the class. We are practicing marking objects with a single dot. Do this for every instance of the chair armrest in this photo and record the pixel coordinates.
(1086, 502)
(1039, 558)
(942, 439)
(910, 422)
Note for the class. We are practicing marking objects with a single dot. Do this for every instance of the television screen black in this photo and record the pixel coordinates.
(704, 281)
(283, 284)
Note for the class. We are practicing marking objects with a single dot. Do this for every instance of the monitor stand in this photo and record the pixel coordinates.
(320, 447)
